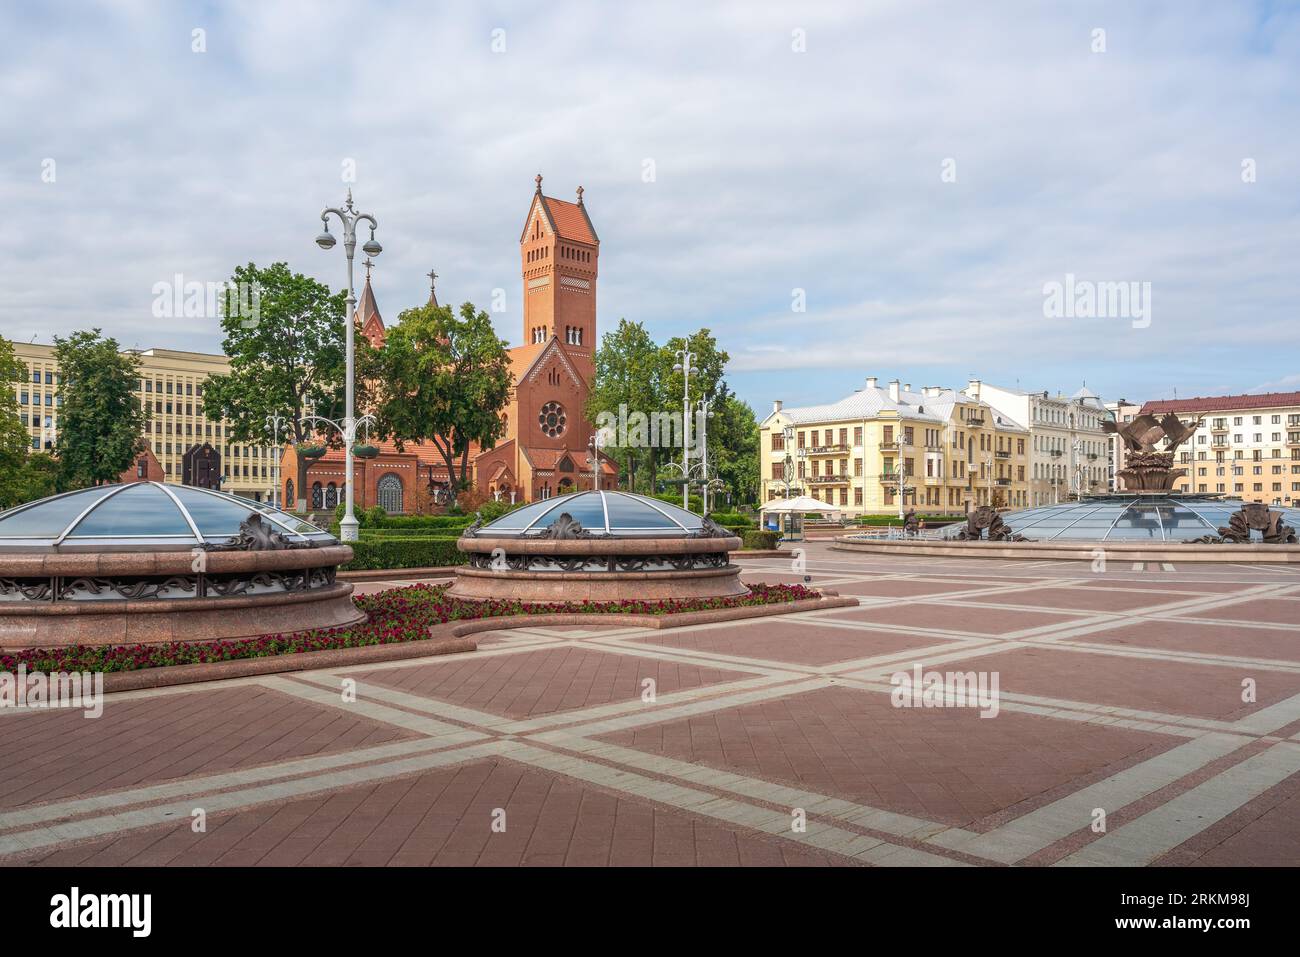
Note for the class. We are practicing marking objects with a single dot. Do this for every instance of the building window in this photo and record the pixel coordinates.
(389, 494)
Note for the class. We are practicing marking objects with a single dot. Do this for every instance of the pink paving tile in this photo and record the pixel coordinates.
(908, 588)
(444, 818)
(1264, 832)
(1269, 610)
(1201, 584)
(1077, 599)
(1170, 687)
(947, 765)
(532, 683)
(56, 754)
(799, 643)
(1269, 643)
(975, 620)
(781, 578)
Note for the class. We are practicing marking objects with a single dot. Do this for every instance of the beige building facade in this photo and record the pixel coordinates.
(1069, 453)
(171, 389)
(956, 452)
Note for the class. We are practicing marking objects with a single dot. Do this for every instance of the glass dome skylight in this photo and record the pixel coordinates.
(1120, 518)
(614, 514)
(142, 514)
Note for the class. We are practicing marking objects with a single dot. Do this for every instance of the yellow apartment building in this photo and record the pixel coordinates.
(956, 451)
(171, 389)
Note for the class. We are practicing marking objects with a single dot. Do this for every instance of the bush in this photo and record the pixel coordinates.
(754, 538)
(728, 519)
(423, 521)
(388, 534)
(737, 530)
(404, 553)
(931, 520)
(491, 510)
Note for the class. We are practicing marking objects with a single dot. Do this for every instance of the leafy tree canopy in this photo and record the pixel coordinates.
(443, 378)
(100, 421)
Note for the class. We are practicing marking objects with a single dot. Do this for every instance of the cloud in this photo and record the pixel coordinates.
(775, 171)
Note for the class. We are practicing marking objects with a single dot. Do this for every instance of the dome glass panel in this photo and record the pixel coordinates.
(142, 515)
(603, 513)
(1121, 518)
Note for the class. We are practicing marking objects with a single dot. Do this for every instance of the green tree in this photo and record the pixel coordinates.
(101, 422)
(733, 445)
(14, 440)
(443, 378)
(288, 361)
(627, 377)
(707, 365)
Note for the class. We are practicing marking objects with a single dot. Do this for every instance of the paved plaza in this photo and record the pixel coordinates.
(1164, 699)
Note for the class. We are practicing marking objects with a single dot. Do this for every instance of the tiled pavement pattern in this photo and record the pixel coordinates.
(1123, 692)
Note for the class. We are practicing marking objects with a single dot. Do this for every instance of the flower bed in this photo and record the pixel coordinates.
(399, 615)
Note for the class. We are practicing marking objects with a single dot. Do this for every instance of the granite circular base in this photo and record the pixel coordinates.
(478, 584)
(1079, 551)
(147, 621)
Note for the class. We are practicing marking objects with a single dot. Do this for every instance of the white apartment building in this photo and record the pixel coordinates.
(1247, 446)
(1068, 450)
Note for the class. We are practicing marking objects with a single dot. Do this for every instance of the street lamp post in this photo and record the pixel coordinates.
(788, 465)
(274, 423)
(705, 413)
(594, 444)
(349, 217)
(683, 365)
(900, 472)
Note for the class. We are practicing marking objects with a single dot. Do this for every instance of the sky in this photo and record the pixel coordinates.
(836, 190)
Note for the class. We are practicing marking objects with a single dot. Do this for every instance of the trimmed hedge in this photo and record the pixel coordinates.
(404, 553)
(754, 538)
(729, 519)
(880, 520)
(387, 534)
(422, 521)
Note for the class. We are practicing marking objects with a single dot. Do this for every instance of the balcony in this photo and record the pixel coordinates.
(1003, 455)
(890, 478)
(895, 446)
(975, 420)
(828, 479)
(1002, 481)
(1056, 453)
(825, 449)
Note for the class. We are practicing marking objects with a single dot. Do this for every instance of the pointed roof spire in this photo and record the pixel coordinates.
(433, 296)
(367, 315)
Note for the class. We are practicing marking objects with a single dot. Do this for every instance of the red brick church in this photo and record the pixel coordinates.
(545, 449)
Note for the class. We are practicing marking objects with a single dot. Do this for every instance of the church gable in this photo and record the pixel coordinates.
(549, 362)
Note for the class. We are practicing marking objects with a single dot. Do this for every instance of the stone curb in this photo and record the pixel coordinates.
(448, 571)
(276, 664)
(397, 574)
(445, 639)
(1255, 553)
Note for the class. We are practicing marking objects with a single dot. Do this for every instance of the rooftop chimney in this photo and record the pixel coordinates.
(776, 405)
(908, 387)
(973, 388)
(893, 390)
(871, 382)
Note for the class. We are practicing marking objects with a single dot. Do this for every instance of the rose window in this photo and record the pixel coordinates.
(552, 419)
